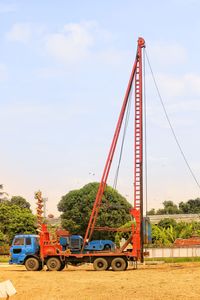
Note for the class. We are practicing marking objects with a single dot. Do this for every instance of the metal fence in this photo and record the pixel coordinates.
(174, 252)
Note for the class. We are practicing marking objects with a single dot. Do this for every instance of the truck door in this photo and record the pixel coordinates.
(28, 246)
(18, 250)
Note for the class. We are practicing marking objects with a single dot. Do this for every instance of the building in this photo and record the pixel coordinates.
(155, 219)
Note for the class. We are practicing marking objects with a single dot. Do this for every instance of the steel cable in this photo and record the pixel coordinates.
(123, 139)
(170, 124)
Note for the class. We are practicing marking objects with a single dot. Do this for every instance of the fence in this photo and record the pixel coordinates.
(174, 252)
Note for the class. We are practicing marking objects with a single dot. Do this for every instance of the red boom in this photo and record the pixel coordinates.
(137, 211)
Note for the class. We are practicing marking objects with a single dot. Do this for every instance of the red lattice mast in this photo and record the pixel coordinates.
(137, 211)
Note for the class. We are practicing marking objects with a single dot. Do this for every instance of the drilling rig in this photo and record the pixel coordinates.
(56, 254)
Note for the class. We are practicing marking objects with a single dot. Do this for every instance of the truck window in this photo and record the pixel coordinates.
(37, 240)
(19, 242)
(28, 241)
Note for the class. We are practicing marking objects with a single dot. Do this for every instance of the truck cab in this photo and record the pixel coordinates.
(23, 246)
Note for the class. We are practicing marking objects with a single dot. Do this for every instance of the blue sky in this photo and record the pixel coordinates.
(64, 67)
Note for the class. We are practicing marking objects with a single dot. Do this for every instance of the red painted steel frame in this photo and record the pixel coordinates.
(50, 247)
(137, 211)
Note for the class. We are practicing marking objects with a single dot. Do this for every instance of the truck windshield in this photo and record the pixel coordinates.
(18, 242)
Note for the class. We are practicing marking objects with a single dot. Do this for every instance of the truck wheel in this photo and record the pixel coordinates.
(32, 264)
(62, 266)
(100, 264)
(126, 264)
(119, 264)
(53, 264)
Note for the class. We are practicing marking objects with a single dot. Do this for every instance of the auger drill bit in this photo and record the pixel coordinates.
(38, 196)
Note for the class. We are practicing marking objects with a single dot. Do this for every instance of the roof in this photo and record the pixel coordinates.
(155, 219)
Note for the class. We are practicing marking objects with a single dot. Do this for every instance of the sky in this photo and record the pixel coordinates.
(64, 68)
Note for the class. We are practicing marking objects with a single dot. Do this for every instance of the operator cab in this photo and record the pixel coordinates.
(75, 242)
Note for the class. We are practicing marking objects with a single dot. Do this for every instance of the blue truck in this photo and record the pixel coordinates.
(25, 249)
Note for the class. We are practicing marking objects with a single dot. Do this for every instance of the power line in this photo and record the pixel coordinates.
(170, 125)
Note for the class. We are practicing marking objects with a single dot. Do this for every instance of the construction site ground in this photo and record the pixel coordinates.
(164, 281)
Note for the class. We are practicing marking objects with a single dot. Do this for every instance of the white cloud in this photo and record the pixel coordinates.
(76, 43)
(83, 42)
(20, 32)
(72, 44)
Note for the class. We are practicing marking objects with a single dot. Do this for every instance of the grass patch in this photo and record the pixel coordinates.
(4, 258)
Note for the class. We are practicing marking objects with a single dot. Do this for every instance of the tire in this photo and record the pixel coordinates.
(126, 264)
(119, 264)
(53, 264)
(62, 266)
(107, 247)
(100, 264)
(32, 264)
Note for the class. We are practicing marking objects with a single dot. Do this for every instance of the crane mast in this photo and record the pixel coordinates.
(137, 211)
(56, 252)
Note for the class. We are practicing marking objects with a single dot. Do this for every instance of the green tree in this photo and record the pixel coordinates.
(166, 223)
(14, 219)
(159, 236)
(2, 237)
(167, 231)
(185, 230)
(169, 208)
(76, 207)
(151, 212)
(192, 206)
(20, 201)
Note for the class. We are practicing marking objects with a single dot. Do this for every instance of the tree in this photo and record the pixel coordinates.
(190, 207)
(76, 207)
(14, 219)
(166, 223)
(159, 236)
(20, 201)
(168, 230)
(169, 208)
(151, 212)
